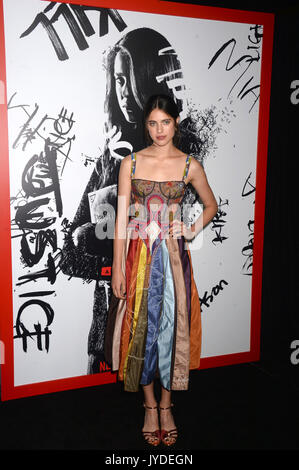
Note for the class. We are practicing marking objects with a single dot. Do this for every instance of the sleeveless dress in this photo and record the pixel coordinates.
(156, 330)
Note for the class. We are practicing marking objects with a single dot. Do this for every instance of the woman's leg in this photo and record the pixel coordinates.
(165, 397)
(149, 395)
(151, 420)
(166, 418)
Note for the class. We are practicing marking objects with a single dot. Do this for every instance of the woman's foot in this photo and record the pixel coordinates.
(150, 430)
(169, 431)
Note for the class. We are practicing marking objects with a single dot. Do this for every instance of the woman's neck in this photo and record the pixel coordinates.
(163, 151)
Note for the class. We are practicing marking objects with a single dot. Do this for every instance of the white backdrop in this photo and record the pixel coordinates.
(39, 85)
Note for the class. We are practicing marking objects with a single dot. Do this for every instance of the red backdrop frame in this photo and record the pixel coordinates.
(8, 390)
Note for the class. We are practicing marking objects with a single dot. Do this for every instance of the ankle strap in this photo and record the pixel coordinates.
(150, 407)
(168, 408)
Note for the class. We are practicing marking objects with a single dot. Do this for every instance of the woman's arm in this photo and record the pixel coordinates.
(118, 281)
(198, 179)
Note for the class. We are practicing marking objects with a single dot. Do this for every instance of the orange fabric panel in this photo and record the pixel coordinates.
(195, 323)
(131, 278)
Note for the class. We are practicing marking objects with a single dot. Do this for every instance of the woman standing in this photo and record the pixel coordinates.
(154, 323)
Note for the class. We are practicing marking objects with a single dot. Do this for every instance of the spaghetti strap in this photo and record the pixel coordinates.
(188, 160)
(133, 164)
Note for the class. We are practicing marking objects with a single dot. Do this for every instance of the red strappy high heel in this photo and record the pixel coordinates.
(152, 437)
(168, 437)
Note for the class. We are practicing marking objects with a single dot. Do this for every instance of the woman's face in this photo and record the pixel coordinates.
(124, 93)
(161, 127)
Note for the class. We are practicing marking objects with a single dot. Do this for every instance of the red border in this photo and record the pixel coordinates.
(9, 391)
(6, 314)
(260, 193)
(178, 9)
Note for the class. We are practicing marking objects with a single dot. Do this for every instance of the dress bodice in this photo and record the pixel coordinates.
(168, 192)
(155, 203)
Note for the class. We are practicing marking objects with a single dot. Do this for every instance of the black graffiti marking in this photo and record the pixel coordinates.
(62, 125)
(25, 130)
(64, 119)
(200, 129)
(66, 227)
(257, 35)
(204, 301)
(248, 250)
(75, 17)
(21, 232)
(40, 293)
(248, 187)
(40, 177)
(88, 160)
(59, 124)
(247, 59)
(34, 185)
(23, 333)
(19, 196)
(19, 200)
(50, 272)
(26, 218)
(41, 240)
(218, 222)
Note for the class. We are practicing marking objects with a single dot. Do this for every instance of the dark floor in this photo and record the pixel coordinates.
(228, 408)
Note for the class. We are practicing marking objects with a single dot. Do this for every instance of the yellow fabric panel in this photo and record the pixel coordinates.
(139, 290)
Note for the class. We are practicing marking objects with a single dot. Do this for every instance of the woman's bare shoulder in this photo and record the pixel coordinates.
(195, 170)
(126, 161)
(195, 163)
(125, 166)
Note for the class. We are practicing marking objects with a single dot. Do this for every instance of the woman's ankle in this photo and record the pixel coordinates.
(165, 405)
(150, 405)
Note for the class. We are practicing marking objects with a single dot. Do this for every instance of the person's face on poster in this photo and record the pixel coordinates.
(123, 87)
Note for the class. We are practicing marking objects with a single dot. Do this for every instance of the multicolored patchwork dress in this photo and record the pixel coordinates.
(156, 331)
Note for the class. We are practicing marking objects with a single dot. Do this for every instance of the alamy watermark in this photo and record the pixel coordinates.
(150, 221)
(294, 357)
(295, 94)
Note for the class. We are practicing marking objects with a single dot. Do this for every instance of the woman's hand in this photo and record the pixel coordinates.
(177, 228)
(118, 283)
